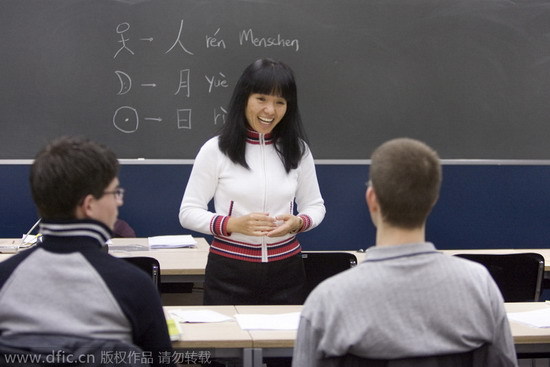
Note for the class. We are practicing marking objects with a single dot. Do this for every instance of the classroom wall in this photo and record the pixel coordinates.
(481, 205)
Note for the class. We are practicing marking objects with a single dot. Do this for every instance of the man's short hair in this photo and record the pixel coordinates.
(66, 171)
(406, 177)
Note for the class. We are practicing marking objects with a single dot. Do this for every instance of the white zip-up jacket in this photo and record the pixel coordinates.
(237, 191)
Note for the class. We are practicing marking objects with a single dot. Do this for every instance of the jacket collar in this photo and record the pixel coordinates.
(86, 228)
(254, 137)
(381, 253)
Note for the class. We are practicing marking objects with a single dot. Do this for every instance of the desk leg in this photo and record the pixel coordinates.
(256, 357)
(250, 358)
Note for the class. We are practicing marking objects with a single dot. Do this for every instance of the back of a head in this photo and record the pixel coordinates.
(67, 170)
(406, 177)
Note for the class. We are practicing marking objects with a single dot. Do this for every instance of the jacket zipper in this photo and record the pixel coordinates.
(264, 206)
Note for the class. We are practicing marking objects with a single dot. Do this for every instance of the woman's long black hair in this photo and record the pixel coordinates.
(265, 76)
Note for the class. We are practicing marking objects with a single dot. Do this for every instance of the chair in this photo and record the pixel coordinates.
(518, 276)
(321, 265)
(475, 358)
(150, 265)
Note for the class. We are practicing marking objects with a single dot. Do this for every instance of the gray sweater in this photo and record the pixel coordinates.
(404, 301)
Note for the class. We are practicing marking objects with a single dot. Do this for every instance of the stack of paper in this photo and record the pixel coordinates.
(537, 318)
(194, 316)
(29, 240)
(283, 321)
(172, 241)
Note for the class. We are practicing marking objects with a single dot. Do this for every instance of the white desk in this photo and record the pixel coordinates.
(176, 265)
(526, 338)
(219, 340)
(188, 265)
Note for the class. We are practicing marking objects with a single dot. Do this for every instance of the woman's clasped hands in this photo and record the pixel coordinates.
(262, 224)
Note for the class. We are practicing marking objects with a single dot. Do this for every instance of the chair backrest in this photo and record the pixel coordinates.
(321, 265)
(475, 358)
(518, 276)
(150, 265)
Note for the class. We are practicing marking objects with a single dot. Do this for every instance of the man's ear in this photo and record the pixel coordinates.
(86, 207)
(372, 200)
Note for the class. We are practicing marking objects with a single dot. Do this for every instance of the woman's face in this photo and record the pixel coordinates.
(264, 111)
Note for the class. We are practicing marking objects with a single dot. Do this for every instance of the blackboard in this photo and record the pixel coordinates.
(152, 79)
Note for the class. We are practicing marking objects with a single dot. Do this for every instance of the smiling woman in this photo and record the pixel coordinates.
(256, 171)
(264, 112)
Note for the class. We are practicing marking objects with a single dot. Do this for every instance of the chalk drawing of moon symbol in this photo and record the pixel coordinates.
(126, 119)
(125, 82)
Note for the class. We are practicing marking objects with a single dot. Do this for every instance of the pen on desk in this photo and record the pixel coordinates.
(30, 231)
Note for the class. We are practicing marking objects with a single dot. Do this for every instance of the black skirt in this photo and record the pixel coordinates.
(237, 282)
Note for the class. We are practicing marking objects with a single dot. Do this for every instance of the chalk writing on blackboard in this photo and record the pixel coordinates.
(184, 82)
(126, 119)
(178, 41)
(121, 29)
(216, 82)
(219, 115)
(247, 36)
(125, 82)
(184, 118)
(212, 41)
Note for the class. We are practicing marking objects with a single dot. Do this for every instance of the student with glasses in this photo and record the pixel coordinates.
(68, 287)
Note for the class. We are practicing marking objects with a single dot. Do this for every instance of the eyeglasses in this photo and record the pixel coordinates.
(118, 193)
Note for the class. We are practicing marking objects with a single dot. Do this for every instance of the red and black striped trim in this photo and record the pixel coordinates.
(306, 222)
(253, 252)
(218, 225)
(253, 137)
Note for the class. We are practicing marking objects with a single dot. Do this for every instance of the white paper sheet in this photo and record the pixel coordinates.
(172, 241)
(538, 318)
(198, 316)
(284, 321)
(29, 239)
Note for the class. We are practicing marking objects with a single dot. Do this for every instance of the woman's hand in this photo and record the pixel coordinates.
(290, 224)
(253, 224)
